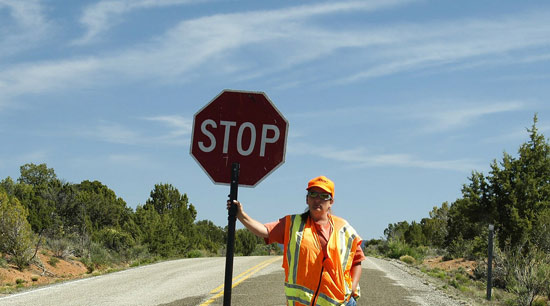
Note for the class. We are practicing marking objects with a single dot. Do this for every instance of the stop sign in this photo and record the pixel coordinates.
(239, 127)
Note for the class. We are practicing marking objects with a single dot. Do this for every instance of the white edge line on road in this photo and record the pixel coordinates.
(67, 283)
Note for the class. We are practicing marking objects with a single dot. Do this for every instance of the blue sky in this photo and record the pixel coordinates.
(397, 101)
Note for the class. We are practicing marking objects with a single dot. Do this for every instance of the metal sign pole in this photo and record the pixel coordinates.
(490, 262)
(231, 235)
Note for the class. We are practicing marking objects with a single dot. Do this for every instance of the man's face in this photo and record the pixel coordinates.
(317, 205)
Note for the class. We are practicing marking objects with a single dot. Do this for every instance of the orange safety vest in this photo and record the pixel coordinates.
(311, 279)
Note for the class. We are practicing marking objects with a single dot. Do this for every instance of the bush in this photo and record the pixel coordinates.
(539, 302)
(17, 237)
(456, 249)
(145, 260)
(99, 257)
(529, 272)
(407, 259)
(470, 249)
(61, 248)
(263, 249)
(459, 280)
(438, 273)
(115, 239)
(398, 248)
(53, 261)
(194, 254)
(139, 252)
(500, 272)
(372, 250)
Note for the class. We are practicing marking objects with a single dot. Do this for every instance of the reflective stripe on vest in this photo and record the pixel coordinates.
(347, 235)
(295, 292)
(294, 246)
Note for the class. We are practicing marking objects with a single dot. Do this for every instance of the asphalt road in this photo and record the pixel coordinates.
(257, 281)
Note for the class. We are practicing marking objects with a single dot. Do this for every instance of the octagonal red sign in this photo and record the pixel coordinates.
(243, 127)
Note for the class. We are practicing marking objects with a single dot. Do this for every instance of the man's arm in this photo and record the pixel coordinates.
(355, 276)
(252, 225)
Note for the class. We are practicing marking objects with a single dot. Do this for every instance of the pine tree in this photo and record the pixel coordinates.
(521, 189)
(16, 236)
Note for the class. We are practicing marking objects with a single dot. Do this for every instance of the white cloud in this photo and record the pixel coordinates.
(361, 158)
(179, 132)
(181, 125)
(194, 43)
(439, 116)
(518, 135)
(176, 131)
(116, 133)
(25, 29)
(100, 17)
(34, 78)
(37, 157)
(279, 40)
(461, 114)
(127, 159)
(433, 45)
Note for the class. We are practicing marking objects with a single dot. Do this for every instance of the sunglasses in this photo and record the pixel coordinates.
(321, 195)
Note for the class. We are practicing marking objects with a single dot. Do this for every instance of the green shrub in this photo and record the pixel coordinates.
(20, 281)
(34, 278)
(194, 254)
(17, 237)
(461, 278)
(138, 252)
(438, 273)
(61, 248)
(477, 248)
(510, 302)
(145, 261)
(115, 239)
(539, 302)
(500, 272)
(407, 259)
(53, 261)
(373, 250)
(456, 249)
(374, 247)
(262, 249)
(469, 249)
(88, 263)
(454, 283)
(530, 273)
(398, 248)
(99, 256)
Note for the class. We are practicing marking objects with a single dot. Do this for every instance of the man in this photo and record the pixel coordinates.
(322, 252)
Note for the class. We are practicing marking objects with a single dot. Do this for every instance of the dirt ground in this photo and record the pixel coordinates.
(34, 275)
(450, 265)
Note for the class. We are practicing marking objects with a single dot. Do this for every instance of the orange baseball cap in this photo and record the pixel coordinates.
(322, 182)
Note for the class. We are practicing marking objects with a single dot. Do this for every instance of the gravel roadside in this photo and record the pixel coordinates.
(423, 289)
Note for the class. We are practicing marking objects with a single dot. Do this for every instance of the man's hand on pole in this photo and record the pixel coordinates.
(252, 225)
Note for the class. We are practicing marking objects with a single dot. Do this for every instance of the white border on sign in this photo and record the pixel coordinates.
(284, 145)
